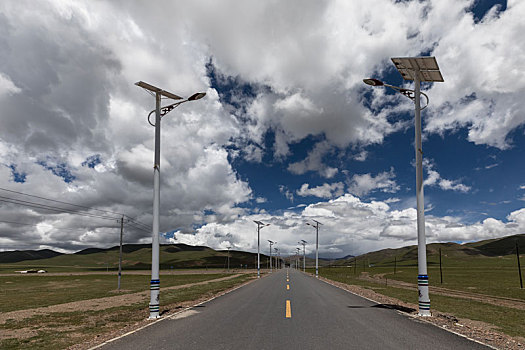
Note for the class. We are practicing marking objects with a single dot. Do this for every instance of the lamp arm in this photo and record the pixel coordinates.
(165, 110)
(409, 93)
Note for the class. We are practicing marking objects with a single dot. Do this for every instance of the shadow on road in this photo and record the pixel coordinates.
(385, 306)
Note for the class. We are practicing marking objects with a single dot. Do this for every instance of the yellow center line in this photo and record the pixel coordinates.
(287, 287)
(288, 309)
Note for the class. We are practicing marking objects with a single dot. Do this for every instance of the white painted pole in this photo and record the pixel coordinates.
(422, 278)
(270, 256)
(258, 255)
(317, 250)
(155, 280)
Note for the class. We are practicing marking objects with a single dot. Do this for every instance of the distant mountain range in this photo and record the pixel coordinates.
(138, 256)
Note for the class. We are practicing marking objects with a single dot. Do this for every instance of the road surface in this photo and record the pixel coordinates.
(291, 310)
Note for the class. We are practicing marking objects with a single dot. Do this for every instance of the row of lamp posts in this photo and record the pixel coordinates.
(417, 69)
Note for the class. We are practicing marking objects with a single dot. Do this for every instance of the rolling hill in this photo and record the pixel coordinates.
(134, 257)
(138, 256)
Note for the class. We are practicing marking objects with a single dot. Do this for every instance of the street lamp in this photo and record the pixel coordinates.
(271, 243)
(316, 226)
(417, 69)
(276, 259)
(259, 226)
(298, 258)
(159, 113)
(303, 242)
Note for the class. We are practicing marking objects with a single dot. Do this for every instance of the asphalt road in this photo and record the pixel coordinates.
(310, 314)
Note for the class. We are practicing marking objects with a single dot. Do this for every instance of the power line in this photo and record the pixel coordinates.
(61, 202)
(75, 205)
(48, 207)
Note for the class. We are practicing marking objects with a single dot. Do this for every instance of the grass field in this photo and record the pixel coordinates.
(491, 278)
(31, 291)
(57, 330)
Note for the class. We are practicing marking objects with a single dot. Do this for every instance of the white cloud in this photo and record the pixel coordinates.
(314, 162)
(335, 189)
(435, 179)
(363, 184)
(478, 60)
(78, 99)
(352, 226)
(7, 86)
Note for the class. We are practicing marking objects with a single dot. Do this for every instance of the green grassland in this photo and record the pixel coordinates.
(468, 271)
(59, 330)
(20, 292)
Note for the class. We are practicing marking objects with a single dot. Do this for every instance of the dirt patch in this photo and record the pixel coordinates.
(479, 331)
(95, 304)
(169, 311)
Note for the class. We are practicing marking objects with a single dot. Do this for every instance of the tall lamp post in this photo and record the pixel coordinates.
(259, 226)
(417, 69)
(271, 243)
(298, 258)
(303, 242)
(159, 113)
(316, 226)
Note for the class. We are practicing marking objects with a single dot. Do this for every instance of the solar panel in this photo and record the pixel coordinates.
(156, 89)
(426, 66)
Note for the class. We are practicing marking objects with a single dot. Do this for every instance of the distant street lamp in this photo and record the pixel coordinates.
(303, 242)
(417, 69)
(276, 260)
(271, 243)
(259, 226)
(316, 226)
(298, 258)
(160, 112)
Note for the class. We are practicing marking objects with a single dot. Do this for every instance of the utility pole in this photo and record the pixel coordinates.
(519, 265)
(440, 269)
(228, 259)
(120, 251)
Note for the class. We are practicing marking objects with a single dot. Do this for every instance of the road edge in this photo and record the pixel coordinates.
(151, 323)
(415, 317)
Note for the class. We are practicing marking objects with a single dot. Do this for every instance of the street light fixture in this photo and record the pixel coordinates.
(271, 243)
(159, 113)
(303, 242)
(316, 226)
(417, 69)
(259, 226)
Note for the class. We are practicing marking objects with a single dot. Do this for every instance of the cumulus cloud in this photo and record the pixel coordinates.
(350, 226)
(67, 71)
(335, 189)
(435, 179)
(314, 162)
(363, 184)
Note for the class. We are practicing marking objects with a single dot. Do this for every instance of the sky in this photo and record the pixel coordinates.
(287, 133)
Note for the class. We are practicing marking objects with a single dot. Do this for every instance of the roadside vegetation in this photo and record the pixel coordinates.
(47, 329)
(479, 288)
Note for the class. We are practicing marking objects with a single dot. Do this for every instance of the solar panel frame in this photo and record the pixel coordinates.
(427, 67)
